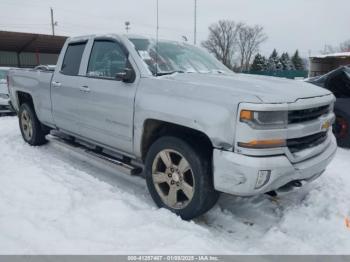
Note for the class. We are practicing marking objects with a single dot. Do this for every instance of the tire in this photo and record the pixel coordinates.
(188, 174)
(33, 132)
(341, 130)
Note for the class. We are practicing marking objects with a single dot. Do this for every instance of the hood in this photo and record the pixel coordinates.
(266, 89)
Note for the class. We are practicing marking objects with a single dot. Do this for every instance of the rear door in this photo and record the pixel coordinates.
(66, 88)
(107, 105)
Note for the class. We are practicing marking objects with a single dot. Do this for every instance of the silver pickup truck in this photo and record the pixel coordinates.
(176, 115)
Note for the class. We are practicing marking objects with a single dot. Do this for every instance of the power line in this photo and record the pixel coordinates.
(101, 26)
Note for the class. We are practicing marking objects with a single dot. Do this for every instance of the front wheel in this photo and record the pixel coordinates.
(32, 130)
(179, 177)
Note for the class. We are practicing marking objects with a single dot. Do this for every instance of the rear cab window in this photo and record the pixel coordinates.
(72, 58)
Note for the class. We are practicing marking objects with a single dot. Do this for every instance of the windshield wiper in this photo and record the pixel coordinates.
(217, 71)
(169, 73)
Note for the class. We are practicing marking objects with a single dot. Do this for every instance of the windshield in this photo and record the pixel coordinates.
(176, 57)
(3, 73)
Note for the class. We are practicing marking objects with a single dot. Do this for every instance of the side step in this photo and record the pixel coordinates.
(96, 158)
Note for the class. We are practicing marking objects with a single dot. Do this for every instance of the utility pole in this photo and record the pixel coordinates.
(53, 24)
(195, 23)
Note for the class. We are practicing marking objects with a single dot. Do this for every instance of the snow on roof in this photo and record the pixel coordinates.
(333, 55)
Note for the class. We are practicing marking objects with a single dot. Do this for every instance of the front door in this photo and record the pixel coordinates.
(107, 105)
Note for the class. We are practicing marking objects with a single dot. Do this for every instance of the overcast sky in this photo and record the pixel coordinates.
(289, 24)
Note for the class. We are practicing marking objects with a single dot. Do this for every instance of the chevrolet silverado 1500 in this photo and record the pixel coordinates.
(173, 113)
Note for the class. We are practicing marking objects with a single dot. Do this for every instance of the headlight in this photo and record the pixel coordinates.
(265, 119)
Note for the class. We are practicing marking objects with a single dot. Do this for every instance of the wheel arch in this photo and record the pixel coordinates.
(24, 97)
(153, 129)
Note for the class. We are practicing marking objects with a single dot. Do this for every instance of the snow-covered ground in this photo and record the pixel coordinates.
(52, 203)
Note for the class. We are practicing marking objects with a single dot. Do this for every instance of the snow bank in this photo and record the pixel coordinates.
(51, 203)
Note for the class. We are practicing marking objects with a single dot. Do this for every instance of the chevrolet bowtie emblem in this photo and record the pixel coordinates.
(326, 125)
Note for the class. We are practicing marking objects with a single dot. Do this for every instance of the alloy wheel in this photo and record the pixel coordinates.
(27, 126)
(173, 178)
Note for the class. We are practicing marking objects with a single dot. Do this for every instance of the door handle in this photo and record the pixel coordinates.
(56, 84)
(85, 89)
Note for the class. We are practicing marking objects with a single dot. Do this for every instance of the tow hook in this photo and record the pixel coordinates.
(286, 188)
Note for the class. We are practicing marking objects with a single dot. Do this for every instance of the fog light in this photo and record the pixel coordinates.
(263, 178)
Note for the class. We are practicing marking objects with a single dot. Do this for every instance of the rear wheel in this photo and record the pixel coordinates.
(32, 130)
(179, 177)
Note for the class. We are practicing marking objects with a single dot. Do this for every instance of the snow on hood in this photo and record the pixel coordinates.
(267, 89)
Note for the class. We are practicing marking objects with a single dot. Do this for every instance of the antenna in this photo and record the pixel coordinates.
(157, 35)
(195, 23)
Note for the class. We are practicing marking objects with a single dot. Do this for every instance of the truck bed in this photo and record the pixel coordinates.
(37, 83)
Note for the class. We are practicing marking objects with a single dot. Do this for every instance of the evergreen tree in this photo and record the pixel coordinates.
(298, 61)
(259, 63)
(274, 63)
(279, 66)
(286, 62)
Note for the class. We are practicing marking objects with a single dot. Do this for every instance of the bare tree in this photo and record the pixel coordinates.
(222, 41)
(328, 49)
(345, 46)
(249, 41)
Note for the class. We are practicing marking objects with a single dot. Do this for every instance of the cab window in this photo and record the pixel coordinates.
(72, 59)
(106, 60)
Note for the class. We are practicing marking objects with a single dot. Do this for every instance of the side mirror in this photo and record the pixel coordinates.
(127, 76)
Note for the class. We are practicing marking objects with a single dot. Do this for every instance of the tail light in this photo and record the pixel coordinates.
(8, 83)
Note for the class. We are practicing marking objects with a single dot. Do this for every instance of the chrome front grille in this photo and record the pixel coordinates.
(298, 116)
(301, 143)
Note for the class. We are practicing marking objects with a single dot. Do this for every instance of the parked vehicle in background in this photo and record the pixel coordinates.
(46, 67)
(338, 81)
(5, 107)
(173, 112)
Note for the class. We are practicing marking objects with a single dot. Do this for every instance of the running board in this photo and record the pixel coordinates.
(95, 158)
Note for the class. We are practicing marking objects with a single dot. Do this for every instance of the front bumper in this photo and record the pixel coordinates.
(237, 174)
